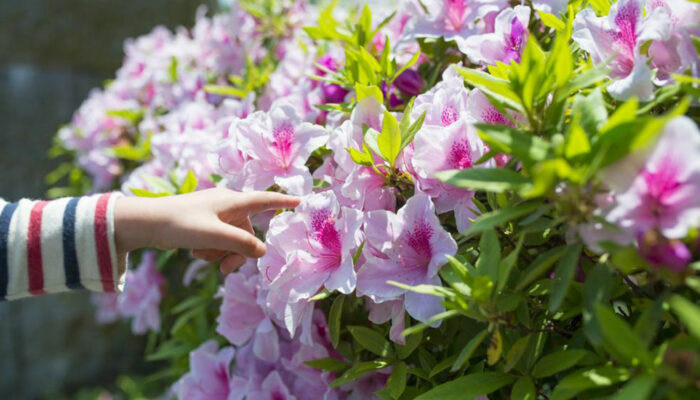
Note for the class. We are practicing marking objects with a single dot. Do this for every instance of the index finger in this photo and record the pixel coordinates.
(256, 202)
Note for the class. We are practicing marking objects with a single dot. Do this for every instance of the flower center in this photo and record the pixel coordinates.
(459, 157)
(514, 41)
(283, 135)
(492, 116)
(278, 396)
(418, 243)
(324, 232)
(625, 39)
(456, 9)
(449, 115)
(661, 185)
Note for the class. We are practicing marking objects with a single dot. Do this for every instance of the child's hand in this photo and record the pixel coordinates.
(214, 223)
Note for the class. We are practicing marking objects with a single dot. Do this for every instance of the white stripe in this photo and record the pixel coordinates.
(18, 283)
(85, 243)
(118, 261)
(52, 246)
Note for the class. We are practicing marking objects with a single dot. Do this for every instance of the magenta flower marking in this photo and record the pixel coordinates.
(449, 115)
(459, 157)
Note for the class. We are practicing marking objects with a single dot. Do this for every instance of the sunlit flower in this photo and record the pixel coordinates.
(505, 43)
(409, 248)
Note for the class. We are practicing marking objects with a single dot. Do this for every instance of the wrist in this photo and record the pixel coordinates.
(135, 221)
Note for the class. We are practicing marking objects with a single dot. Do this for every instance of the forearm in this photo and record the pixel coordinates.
(48, 247)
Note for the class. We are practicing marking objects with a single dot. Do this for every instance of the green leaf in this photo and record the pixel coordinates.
(540, 266)
(334, 320)
(638, 388)
(602, 7)
(590, 110)
(688, 313)
(468, 350)
(489, 255)
(425, 325)
(588, 378)
(408, 134)
(397, 381)
(524, 389)
(516, 352)
(363, 91)
(468, 387)
(225, 91)
(389, 140)
(327, 364)
(501, 216)
(359, 157)
(412, 343)
(527, 148)
(406, 66)
(145, 193)
(577, 143)
(596, 290)
(496, 88)
(556, 362)
(551, 21)
(322, 295)
(189, 185)
(620, 337)
(432, 290)
(358, 371)
(371, 340)
(563, 275)
(489, 179)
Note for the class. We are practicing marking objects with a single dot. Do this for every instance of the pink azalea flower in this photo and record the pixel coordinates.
(504, 44)
(241, 317)
(394, 311)
(142, 295)
(272, 388)
(451, 19)
(361, 186)
(318, 244)
(408, 247)
(107, 305)
(677, 53)
(662, 252)
(454, 147)
(445, 103)
(621, 34)
(661, 190)
(278, 144)
(208, 378)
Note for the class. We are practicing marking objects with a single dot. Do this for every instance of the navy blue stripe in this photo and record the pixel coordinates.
(5, 219)
(70, 257)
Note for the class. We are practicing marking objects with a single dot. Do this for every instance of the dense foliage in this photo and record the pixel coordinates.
(499, 199)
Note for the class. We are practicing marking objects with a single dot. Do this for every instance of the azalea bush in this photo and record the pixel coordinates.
(499, 198)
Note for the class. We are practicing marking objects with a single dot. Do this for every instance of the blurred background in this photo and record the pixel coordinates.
(52, 52)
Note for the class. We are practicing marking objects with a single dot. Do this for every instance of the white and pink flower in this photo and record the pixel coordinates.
(408, 247)
(620, 35)
(278, 144)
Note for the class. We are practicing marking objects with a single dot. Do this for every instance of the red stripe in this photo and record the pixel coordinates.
(104, 255)
(35, 265)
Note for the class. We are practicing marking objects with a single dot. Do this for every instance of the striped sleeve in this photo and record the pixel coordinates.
(56, 246)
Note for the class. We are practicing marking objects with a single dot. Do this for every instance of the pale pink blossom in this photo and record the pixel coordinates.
(278, 144)
(621, 35)
(450, 19)
(241, 318)
(209, 375)
(677, 53)
(660, 190)
(454, 147)
(409, 248)
(318, 244)
(142, 294)
(505, 43)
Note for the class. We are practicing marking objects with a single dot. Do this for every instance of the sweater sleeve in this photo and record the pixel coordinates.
(56, 246)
